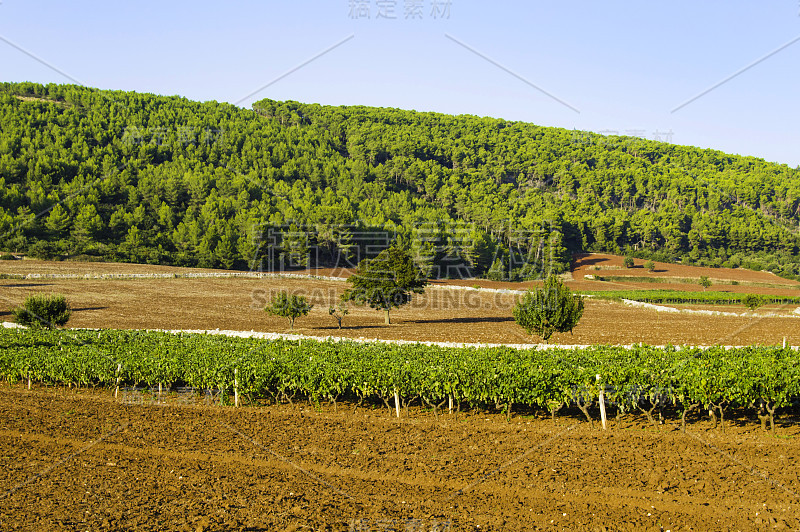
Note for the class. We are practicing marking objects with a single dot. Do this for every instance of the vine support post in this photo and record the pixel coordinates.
(397, 402)
(449, 403)
(602, 399)
(29, 378)
(784, 342)
(236, 387)
(119, 374)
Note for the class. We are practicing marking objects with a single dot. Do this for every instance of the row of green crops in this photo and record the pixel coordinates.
(641, 378)
(697, 298)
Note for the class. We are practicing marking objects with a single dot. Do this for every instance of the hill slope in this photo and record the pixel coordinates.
(143, 178)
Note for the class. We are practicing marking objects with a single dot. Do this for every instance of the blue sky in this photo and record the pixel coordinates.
(610, 67)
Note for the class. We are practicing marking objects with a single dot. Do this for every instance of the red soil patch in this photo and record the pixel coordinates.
(585, 264)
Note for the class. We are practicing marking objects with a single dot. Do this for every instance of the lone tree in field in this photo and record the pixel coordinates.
(338, 312)
(753, 301)
(43, 311)
(628, 262)
(650, 266)
(705, 282)
(389, 280)
(552, 308)
(291, 307)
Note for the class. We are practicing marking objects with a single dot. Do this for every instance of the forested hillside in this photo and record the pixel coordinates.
(137, 177)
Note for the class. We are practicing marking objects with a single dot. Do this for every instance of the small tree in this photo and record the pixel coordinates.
(650, 265)
(497, 271)
(705, 282)
(628, 262)
(291, 307)
(753, 301)
(43, 311)
(389, 280)
(338, 312)
(552, 308)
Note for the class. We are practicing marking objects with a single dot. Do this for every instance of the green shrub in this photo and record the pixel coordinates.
(43, 311)
(552, 308)
(753, 301)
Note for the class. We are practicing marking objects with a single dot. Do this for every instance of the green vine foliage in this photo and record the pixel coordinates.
(636, 379)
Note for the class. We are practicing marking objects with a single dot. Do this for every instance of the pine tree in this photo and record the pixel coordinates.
(552, 308)
(389, 280)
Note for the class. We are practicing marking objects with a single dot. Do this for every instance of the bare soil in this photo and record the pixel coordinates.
(672, 274)
(81, 460)
(441, 314)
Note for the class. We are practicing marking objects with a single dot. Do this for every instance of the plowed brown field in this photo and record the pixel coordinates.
(439, 315)
(83, 461)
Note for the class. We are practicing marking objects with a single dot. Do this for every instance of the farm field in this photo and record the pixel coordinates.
(442, 315)
(135, 463)
(85, 460)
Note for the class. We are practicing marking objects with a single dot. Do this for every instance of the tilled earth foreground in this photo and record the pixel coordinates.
(85, 461)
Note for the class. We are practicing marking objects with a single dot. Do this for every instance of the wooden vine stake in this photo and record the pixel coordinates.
(29, 378)
(397, 402)
(602, 400)
(119, 374)
(450, 403)
(236, 387)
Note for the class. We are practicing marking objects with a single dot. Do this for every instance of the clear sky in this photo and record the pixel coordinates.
(610, 66)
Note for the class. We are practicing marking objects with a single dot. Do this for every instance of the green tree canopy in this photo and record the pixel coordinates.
(389, 280)
(470, 195)
(289, 306)
(552, 308)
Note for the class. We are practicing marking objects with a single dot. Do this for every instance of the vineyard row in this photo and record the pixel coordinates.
(651, 380)
(696, 298)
